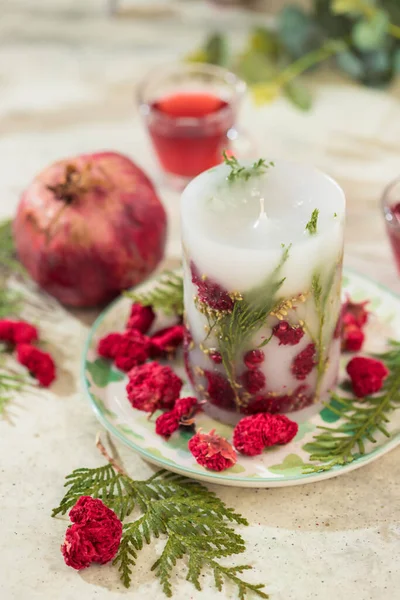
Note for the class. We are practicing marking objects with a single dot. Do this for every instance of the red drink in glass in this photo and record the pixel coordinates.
(189, 131)
(190, 112)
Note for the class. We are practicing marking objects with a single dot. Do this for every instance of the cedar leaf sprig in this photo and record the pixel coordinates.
(237, 171)
(359, 421)
(311, 226)
(195, 522)
(166, 295)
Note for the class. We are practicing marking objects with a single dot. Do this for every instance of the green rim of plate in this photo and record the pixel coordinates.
(209, 475)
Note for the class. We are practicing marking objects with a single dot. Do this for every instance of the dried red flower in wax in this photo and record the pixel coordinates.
(40, 364)
(167, 340)
(220, 390)
(152, 386)
(17, 332)
(304, 362)
(271, 403)
(254, 358)
(253, 381)
(248, 436)
(140, 318)
(367, 375)
(211, 293)
(108, 345)
(212, 451)
(286, 334)
(133, 349)
(94, 536)
(216, 357)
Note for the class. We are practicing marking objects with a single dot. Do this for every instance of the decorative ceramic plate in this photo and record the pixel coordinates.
(278, 466)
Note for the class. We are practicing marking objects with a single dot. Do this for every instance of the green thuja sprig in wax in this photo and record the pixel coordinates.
(321, 296)
(239, 172)
(233, 330)
(311, 226)
(195, 523)
(360, 422)
(166, 295)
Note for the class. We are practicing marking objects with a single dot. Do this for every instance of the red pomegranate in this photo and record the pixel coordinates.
(90, 226)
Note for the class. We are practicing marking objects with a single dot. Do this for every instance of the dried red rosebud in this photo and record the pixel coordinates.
(355, 313)
(248, 436)
(304, 362)
(298, 399)
(152, 386)
(40, 364)
(133, 349)
(220, 390)
(253, 381)
(17, 332)
(254, 358)
(141, 318)
(216, 357)
(167, 340)
(352, 338)
(278, 429)
(210, 292)
(185, 407)
(367, 375)
(212, 451)
(95, 535)
(286, 334)
(167, 423)
(108, 345)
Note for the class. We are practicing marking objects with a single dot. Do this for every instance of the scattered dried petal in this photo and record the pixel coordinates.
(248, 436)
(95, 535)
(141, 318)
(212, 451)
(108, 345)
(152, 386)
(367, 375)
(167, 423)
(167, 340)
(133, 349)
(40, 364)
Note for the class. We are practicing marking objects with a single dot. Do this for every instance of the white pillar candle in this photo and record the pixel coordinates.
(263, 255)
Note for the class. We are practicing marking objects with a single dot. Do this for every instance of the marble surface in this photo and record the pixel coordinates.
(67, 78)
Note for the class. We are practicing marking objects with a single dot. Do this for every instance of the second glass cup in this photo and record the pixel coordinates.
(190, 112)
